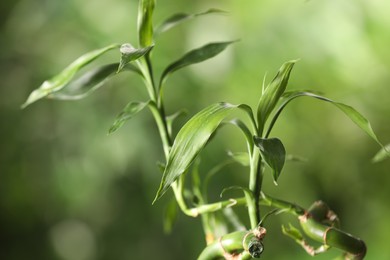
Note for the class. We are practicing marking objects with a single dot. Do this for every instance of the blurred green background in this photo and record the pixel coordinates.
(69, 191)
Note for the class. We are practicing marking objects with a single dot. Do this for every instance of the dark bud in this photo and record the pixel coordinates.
(255, 248)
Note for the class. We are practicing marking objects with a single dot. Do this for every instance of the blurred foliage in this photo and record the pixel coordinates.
(68, 191)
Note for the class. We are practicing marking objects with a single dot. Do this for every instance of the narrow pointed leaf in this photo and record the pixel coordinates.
(273, 92)
(128, 112)
(247, 133)
(349, 111)
(382, 154)
(190, 141)
(195, 56)
(145, 22)
(90, 81)
(249, 112)
(179, 18)
(129, 54)
(274, 154)
(62, 79)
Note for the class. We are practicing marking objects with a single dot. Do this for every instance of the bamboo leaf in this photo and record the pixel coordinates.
(382, 154)
(272, 93)
(129, 54)
(179, 18)
(195, 56)
(59, 81)
(349, 111)
(190, 141)
(145, 22)
(274, 154)
(127, 113)
(247, 133)
(90, 81)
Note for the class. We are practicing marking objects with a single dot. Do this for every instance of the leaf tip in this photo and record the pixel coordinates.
(156, 198)
(24, 105)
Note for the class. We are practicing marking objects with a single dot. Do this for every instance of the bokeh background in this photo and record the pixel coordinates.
(69, 191)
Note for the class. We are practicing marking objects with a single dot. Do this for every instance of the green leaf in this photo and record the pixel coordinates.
(349, 111)
(90, 81)
(190, 141)
(195, 56)
(129, 54)
(127, 113)
(272, 93)
(145, 22)
(62, 79)
(170, 216)
(247, 133)
(179, 18)
(273, 153)
(382, 154)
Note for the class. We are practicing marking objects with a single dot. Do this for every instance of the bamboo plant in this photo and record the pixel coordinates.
(182, 150)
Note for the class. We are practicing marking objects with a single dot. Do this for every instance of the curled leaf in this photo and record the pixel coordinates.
(145, 22)
(129, 54)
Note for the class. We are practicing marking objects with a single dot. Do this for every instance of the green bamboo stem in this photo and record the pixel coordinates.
(289, 207)
(312, 221)
(255, 182)
(230, 245)
(355, 248)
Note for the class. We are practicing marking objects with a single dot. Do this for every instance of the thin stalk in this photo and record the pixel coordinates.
(281, 204)
(147, 73)
(255, 183)
(162, 129)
